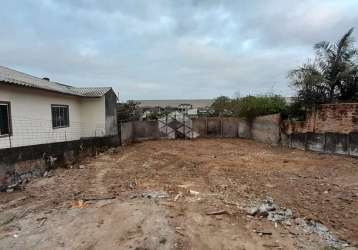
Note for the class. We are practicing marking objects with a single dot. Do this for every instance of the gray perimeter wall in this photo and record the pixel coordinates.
(139, 131)
(264, 129)
(21, 163)
(126, 132)
(331, 143)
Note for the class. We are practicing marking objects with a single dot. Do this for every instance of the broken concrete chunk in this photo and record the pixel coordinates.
(155, 194)
(192, 192)
(265, 208)
(180, 194)
(280, 215)
(220, 212)
(132, 184)
(252, 211)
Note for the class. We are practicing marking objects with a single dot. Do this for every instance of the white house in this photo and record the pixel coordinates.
(39, 111)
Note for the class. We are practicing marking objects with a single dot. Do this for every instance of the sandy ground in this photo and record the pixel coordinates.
(162, 195)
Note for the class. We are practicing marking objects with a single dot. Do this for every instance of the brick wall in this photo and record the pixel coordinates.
(328, 118)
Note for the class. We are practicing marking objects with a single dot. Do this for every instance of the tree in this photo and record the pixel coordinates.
(128, 111)
(222, 106)
(252, 106)
(307, 80)
(331, 77)
(249, 106)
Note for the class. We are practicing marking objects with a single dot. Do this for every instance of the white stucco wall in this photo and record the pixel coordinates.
(93, 117)
(32, 122)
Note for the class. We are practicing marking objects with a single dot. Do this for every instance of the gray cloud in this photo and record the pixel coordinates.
(169, 49)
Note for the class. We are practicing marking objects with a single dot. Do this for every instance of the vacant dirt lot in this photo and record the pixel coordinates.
(186, 195)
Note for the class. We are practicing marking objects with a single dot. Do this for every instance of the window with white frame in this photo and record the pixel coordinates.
(60, 116)
(5, 119)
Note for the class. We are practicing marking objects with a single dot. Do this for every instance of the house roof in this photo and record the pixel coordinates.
(14, 77)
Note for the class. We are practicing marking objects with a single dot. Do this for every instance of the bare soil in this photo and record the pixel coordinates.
(184, 195)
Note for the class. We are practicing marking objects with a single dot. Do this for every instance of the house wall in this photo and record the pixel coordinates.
(93, 117)
(31, 117)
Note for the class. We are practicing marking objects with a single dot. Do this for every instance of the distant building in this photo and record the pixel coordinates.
(195, 103)
(192, 107)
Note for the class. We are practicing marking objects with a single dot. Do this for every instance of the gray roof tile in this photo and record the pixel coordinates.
(14, 77)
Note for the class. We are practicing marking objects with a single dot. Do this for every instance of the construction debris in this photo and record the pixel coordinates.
(78, 204)
(267, 208)
(218, 212)
(179, 195)
(311, 226)
(217, 204)
(192, 192)
(155, 194)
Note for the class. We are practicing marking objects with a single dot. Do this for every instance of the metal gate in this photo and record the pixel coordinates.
(176, 126)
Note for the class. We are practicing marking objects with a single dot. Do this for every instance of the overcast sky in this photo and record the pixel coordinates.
(162, 49)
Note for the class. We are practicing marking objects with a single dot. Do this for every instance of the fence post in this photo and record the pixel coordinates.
(166, 125)
(349, 144)
(306, 141)
(221, 127)
(184, 127)
(237, 127)
(10, 141)
(120, 132)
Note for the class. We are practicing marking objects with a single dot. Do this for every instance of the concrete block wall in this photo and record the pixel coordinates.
(214, 126)
(353, 144)
(126, 132)
(230, 128)
(331, 143)
(139, 130)
(244, 130)
(21, 163)
(146, 130)
(266, 129)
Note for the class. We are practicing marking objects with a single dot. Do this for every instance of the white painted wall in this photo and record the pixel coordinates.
(93, 117)
(32, 121)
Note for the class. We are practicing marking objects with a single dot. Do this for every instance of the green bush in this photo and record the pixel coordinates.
(222, 106)
(294, 111)
(252, 106)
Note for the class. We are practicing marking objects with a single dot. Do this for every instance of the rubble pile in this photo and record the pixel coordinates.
(268, 209)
